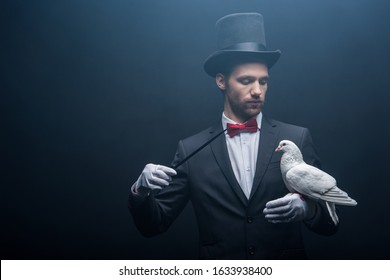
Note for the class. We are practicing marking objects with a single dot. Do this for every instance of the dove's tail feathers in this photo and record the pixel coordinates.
(348, 202)
(340, 201)
(338, 196)
(332, 211)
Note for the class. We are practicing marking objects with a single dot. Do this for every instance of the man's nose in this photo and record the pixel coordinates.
(256, 90)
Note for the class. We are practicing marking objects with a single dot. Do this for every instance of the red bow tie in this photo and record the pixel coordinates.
(234, 129)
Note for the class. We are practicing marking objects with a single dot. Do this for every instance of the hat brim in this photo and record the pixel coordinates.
(216, 62)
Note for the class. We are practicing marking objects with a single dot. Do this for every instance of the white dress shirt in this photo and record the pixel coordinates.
(242, 150)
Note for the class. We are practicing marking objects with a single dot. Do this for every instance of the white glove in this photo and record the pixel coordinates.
(154, 177)
(290, 208)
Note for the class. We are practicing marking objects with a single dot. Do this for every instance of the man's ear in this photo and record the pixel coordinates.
(220, 81)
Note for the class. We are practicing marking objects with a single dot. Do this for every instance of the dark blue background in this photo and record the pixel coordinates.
(91, 91)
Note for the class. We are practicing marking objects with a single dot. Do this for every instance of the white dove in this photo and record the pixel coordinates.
(309, 180)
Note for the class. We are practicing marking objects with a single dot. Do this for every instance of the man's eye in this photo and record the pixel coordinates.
(245, 82)
(263, 82)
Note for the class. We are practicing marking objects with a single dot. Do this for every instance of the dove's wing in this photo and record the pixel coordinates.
(309, 180)
(315, 183)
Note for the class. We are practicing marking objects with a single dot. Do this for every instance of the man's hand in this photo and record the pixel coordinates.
(154, 177)
(290, 208)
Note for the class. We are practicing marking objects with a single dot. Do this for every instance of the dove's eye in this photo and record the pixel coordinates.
(284, 144)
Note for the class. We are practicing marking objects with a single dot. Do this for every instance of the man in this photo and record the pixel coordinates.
(242, 206)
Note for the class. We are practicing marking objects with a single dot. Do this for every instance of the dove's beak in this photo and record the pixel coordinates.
(277, 149)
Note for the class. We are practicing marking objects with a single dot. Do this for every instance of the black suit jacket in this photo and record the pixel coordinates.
(230, 225)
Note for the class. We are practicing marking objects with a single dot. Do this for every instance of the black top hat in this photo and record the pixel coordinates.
(240, 36)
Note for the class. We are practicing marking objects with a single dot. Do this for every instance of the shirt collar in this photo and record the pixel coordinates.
(226, 120)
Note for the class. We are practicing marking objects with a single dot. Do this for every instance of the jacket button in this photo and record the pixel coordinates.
(249, 219)
(252, 250)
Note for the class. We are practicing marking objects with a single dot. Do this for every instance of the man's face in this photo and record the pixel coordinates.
(244, 90)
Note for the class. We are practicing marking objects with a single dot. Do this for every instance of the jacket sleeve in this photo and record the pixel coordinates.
(321, 223)
(155, 213)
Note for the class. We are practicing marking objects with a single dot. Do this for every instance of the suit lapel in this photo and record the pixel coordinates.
(221, 155)
(267, 145)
